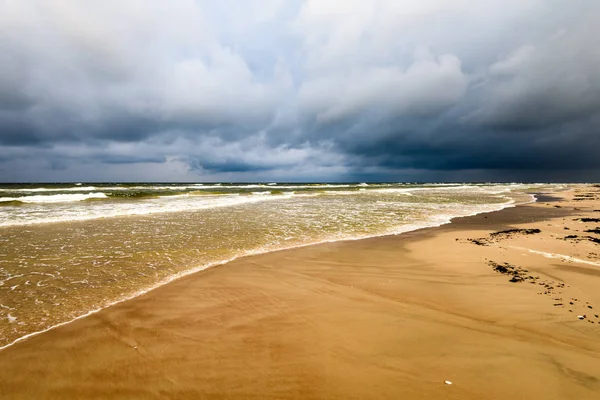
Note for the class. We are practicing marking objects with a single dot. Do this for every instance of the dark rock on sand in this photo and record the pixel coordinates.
(593, 239)
(518, 273)
(478, 242)
(509, 232)
(503, 235)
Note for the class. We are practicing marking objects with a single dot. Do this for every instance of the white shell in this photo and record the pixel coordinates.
(448, 382)
(580, 317)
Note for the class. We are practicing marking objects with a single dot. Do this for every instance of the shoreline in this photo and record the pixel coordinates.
(370, 318)
(199, 269)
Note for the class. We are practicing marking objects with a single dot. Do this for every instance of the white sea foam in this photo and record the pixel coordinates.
(160, 188)
(55, 198)
(557, 256)
(68, 207)
(198, 186)
(72, 212)
(43, 189)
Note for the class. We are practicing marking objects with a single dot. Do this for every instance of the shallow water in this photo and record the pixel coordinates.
(62, 258)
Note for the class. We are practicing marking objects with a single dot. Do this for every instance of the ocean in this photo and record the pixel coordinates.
(67, 250)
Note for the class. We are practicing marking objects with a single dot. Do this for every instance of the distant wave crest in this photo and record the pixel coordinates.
(55, 198)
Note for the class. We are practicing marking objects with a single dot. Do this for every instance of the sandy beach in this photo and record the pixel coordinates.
(500, 305)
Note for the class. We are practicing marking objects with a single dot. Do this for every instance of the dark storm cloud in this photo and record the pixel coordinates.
(16, 130)
(307, 90)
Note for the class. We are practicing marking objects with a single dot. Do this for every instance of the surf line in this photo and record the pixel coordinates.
(555, 255)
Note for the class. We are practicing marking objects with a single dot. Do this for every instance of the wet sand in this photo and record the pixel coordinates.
(391, 317)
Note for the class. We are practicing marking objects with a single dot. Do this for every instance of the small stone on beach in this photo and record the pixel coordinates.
(448, 382)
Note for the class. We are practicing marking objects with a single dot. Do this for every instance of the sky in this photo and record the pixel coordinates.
(289, 90)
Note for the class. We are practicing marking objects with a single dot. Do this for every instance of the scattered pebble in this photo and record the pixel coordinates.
(448, 382)
(581, 316)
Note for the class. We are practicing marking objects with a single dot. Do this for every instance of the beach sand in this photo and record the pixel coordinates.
(382, 318)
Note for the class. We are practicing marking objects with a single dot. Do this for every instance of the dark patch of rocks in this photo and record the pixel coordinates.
(485, 241)
(590, 238)
(510, 232)
(517, 274)
(584, 196)
(588, 219)
(593, 239)
(478, 242)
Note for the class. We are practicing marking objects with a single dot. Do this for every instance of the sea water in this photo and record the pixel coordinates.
(69, 249)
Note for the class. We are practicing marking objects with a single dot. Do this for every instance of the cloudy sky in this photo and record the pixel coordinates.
(289, 90)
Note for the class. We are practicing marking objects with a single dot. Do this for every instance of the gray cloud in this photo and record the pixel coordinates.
(299, 90)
